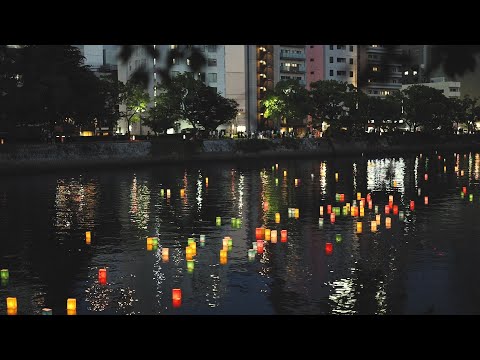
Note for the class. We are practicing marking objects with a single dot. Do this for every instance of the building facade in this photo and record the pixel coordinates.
(340, 63)
(450, 89)
(315, 63)
(379, 69)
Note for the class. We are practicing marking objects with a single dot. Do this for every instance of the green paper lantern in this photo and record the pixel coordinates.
(4, 274)
(338, 237)
(219, 221)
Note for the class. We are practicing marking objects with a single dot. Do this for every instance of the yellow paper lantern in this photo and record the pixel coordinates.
(88, 237)
(168, 193)
(388, 222)
(374, 226)
(193, 246)
(377, 219)
(336, 177)
(276, 166)
(11, 302)
(359, 196)
(182, 192)
(321, 210)
(284, 173)
(273, 236)
(296, 182)
(72, 312)
(297, 213)
(277, 218)
(71, 304)
(462, 173)
(362, 211)
(189, 253)
(359, 227)
(12, 311)
(268, 234)
(149, 247)
(223, 253)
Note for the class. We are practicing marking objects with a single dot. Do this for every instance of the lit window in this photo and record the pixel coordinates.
(375, 46)
(414, 72)
(405, 73)
(173, 47)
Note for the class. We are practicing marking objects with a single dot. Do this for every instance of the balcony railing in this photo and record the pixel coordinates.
(292, 69)
(289, 55)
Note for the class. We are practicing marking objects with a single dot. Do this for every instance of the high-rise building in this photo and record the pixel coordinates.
(340, 63)
(100, 58)
(315, 63)
(379, 69)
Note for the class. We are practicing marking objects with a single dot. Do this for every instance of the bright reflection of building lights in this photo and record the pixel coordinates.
(343, 296)
(323, 177)
(139, 204)
(199, 192)
(383, 174)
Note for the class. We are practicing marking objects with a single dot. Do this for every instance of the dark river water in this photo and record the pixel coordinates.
(425, 263)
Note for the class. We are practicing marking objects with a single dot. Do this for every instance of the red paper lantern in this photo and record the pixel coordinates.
(464, 189)
(342, 197)
(328, 248)
(426, 176)
(260, 246)
(260, 233)
(329, 209)
(387, 209)
(102, 276)
(332, 218)
(395, 209)
(426, 200)
(412, 205)
(177, 297)
(369, 197)
(283, 234)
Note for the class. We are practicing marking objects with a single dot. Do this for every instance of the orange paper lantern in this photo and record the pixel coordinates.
(268, 234)
(342, 197)
(374, 226)
(102, 276)
(283, 235)
(277, 218)
(426, 200)
(412, 205)
(88, 237)
(329, 209)
(388, 222)
(332, 218)
(177, 297)
(260, 233)
(359, 227)
(11, 303)
(321, 210)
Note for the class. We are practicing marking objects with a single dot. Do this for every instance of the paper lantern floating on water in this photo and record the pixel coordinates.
(225, 243)
(193, 246)
(462, 173)
(177, 297)
(102, 276)
(182, 193)
(412, 205)
(291, 212)
(390, 198)
(332, 217)
(359, 227)
(149, 241)
(336, 177)
(168, 193)
(359, 195)
(276, 181)
(345, 211)
(401, 215)
(394, 183)
(72, 304)
(251, 254)
(426, 177)
(320, 223)
(149, 247)
(276, 166)
(268, 234)
(190, 265)
(260, 246)
(284, 173)
(336, 210)
(395, 209)
(206, 182)
(464, 189)
(321, 210)
(273, 236)
(202, 240)
(277, 218)
(218, 221)
(254, 245)
(342, 197)
(283, 236)
(426, 200)
(329, 209)
(470, 197)
(462, 195)
(378, 219)
(11, 303)
(388, 222)
(338, 237)
(88, 237)
(165, 254)
(373, 226)
(337, 197)
(376, 209)
(362, 211)
(328, 248)
(47, 311)
(260, 233)
(444, 169)
(297, 182)
(387, 209)
(4, 274)
(362, 202)
(419, 191)
(162, 192)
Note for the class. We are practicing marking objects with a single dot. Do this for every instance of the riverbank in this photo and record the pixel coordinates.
(114, 155)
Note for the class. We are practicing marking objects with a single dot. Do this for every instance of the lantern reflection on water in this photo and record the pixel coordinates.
(412, 205)
(378, 218)
(190, 266)
(426, 177)
(320, 223)
(47, 311)
(321, 210)
(359, 227)
(168, 193)
(336, 177)
(218, 221)
(362, 211)
(470, 197)
(251, 254)
(338, 237)
(260, 246)
(387, 209)
(188, 253)
(182, 193)
(426, 200)
(329, 209)
(376, 209)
